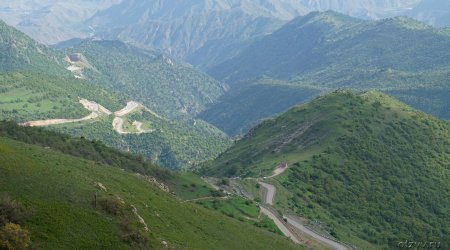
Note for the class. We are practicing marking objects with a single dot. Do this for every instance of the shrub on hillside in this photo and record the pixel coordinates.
(112, 205)
(13, 236)
(12, 211)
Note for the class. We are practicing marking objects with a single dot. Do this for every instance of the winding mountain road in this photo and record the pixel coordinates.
(280, 224)
(269, 192)
(119, 121)
(331, 243)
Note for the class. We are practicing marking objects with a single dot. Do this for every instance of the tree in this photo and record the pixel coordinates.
(13, 236)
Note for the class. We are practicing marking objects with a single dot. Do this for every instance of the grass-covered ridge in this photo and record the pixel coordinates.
(78, 203)
(372, 169)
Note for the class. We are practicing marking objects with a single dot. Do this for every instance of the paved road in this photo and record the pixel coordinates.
(118, 125)
(269, 193)
(331, 243)
(280, 224)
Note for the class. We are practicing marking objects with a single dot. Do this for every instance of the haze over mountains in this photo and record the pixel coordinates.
(435, 12)
(52, 21)
(192, 30)
(231, 123)
(321, 52)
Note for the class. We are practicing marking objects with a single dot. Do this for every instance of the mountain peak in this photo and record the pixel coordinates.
(344, 140)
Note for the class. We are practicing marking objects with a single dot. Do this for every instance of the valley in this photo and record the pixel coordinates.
(325, 51)
(37, 87)
(228, 124)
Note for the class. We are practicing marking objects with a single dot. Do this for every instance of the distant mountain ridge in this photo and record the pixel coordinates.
(435, 12)
(52, 21)
(204, 32)
(324, 51)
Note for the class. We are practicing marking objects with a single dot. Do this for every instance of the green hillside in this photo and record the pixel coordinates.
(326, 51)
(370, 169)
(240, 109)
(66, 202)
(164, 85)
(19, 52)
(39, 83)
(172, 144)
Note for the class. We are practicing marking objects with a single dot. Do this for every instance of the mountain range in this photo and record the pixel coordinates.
(323, 51)
(52, 21)
(183, 124)
(204, 33)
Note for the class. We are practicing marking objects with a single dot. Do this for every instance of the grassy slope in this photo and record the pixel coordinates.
(373, 170)
(34, 96)
(327, 51)
(60, 189)
(173, 144)
(35, 85)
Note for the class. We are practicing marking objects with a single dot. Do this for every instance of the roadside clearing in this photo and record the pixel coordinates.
(96, 109)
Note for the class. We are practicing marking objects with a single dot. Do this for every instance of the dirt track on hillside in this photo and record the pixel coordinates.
(118, 121)
(96, 111)
(94, 107)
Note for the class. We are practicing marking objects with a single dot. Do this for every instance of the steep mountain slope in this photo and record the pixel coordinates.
(19, 52)
(161, 83)
(211, 33)
(210, 29)
(370, 169)
(36, 84)
(208, 32)
(325, 51)
(68, 202)
(69, 92)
